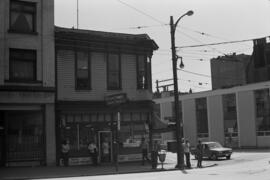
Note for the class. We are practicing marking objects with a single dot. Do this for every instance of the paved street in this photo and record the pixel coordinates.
(243, 165)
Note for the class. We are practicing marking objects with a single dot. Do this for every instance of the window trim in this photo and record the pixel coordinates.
(145, 85)
(76, 69)
(34, 16)
(119, 71)
(22, 80)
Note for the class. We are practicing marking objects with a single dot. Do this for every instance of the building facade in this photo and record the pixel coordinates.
(236, 70)
(27, 83)
(238, 117)
(259, 67)
(95, 71)
(229, 71)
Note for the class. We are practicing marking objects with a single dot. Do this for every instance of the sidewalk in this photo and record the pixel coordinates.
(19, 173)
(72, 171)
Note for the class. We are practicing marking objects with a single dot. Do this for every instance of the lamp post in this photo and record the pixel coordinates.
(179, 133)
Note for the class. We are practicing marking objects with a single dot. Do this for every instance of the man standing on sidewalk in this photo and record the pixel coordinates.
(154, 154)
(144, 148)
(199, 154)
(187, 153)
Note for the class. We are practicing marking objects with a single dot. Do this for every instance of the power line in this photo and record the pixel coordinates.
(157, 20)
(134, 8)
(220, 43)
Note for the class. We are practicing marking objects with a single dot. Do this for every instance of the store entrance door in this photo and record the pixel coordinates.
(105, 146)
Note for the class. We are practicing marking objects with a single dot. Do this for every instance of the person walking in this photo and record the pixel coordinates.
(154, 154)
(199, 154)
(65, 150)
(106, 149)
(144, 149)
(93, 152)
(187, 153)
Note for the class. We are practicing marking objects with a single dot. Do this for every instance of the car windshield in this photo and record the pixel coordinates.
(214, 145)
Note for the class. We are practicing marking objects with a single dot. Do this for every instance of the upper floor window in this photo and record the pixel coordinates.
(113, 72)
(22, 16)
(22, 65)
(142, 72)
(82, 70)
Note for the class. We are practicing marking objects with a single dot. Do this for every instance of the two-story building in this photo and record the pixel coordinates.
(92, 67)
(27, 83)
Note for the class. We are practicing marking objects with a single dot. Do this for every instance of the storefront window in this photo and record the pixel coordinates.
(25, 136)
(78, 129)
(134, 126)
(230, 115)
(262, 112)
(201, 117)
(81, 128)
(230, 120)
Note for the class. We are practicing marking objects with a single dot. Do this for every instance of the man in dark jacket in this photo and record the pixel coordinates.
(199, 154)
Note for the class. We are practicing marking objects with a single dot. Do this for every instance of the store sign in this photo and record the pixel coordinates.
(116, 99)
(79, 161)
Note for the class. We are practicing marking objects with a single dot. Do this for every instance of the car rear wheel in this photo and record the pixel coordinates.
(228, 157)
(214, 157)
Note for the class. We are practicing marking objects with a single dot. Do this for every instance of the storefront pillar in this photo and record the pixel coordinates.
(50, 134)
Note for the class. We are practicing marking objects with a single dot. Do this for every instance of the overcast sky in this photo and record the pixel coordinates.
(212, 21)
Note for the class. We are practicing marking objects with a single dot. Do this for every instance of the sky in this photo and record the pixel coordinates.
(213, 21)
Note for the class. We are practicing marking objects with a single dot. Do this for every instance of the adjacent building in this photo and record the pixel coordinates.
(95, 71)
(238, 117)
(230, 70)
(236, 70)
(27, 83)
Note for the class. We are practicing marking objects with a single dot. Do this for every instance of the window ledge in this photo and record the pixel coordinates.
(13, 81)
(21, 32)
(83, 90)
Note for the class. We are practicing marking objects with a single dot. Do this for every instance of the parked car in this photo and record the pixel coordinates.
(213, 150)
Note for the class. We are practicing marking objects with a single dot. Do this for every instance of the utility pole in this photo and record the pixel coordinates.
(179, 129)
(180, 153)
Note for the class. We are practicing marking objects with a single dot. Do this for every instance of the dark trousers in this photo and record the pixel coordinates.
(65, 158)
(187, 155)
(199, 163)
(154, 158)
(94, 158)
(144, 156)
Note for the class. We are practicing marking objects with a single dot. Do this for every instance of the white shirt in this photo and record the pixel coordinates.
(92, 147)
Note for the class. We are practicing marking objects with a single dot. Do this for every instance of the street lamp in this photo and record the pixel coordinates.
(179, 133)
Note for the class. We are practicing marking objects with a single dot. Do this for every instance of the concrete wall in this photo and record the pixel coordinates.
(189, 120)
(215, 118)
(66, 78)
(42, 42)
(246, 118)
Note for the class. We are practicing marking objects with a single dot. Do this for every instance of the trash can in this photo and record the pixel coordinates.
(162, 156)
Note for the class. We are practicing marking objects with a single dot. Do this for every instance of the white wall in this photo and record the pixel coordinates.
(189, 120)
(246, 118)
(215, 118)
